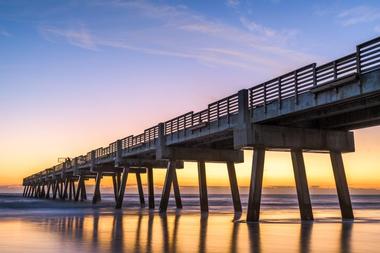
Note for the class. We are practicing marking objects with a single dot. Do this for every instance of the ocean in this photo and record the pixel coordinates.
(35, 225)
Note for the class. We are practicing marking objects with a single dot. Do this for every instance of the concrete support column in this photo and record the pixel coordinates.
(48, 190)
(254, 200)
(66, 185)
(123, 183)
(27, 191)
(341, 185)
(118, 179)
(55, 189)
(43, 191)
(96, 198)
(177, 193)
(37, 192)
(234, 187)
(70, 189)
(167, 185)
(140, 189)
(83, 195)
(24, 190)
(203, 196)
(115, 187)
(60, 189)
(79, 188)
(73, 188)
(33, 191)
(30, 191)
(302, 187)
(150, 187)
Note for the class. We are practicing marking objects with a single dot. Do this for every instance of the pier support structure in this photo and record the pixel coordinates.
(201, 156)
(138, 167)
(296, 140)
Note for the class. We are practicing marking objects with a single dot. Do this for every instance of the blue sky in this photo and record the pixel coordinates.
(72, 70)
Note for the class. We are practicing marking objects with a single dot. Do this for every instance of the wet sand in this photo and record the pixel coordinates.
(84, 229)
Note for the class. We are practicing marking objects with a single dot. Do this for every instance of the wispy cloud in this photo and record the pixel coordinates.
(267, 32)
(177, 31)
(358, 15)
(4, 33)
(78, 36)
(232, 3)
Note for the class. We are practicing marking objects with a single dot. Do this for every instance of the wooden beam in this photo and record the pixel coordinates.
(202, 182)
(341, 185)
(302, 187)
(234, 187)
(254, 200)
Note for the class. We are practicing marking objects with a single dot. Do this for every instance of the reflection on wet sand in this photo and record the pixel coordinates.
(152, 232)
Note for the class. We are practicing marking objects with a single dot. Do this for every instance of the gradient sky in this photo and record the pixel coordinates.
(77, 75)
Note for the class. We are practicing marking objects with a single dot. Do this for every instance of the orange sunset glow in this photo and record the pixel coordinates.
(361, 166)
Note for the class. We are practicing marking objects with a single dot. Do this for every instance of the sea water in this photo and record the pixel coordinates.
(35, 225)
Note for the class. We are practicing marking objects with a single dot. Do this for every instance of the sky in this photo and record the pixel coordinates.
(77, 75)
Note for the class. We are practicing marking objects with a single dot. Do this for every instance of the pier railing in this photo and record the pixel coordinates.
(365, 59)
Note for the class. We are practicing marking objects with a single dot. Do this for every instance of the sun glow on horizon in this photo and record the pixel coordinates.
(277, 171)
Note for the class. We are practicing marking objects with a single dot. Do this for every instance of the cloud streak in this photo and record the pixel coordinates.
(79, 36)
(176, 31)
(4, 33)
(358, 15)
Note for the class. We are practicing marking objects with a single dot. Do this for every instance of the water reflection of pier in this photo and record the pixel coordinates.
(182, 233)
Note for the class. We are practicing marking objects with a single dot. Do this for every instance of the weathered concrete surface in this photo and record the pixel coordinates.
(278, 137)
(202, 154)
